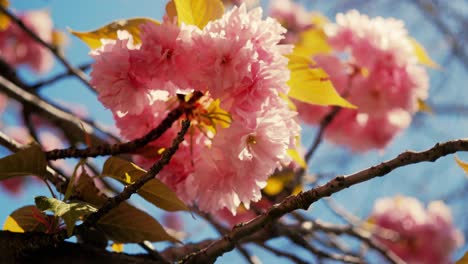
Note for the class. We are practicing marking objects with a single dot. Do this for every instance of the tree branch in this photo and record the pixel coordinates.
(107, 149)
(304, 200)
(113, 202)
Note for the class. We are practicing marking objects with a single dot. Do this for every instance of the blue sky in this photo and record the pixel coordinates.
(425, 181)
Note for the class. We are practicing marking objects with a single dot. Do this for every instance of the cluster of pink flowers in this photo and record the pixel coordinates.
(293, 16)
(424, 235)
(241, 129)
(380, 75)
(18, 48)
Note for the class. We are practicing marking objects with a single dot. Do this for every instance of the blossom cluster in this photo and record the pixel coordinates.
(423, 235)
(241, 128)
(374, 66)
(293, 16)
(18, 48)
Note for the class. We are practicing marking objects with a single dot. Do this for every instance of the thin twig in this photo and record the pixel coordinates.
(77, 72)
(153, 254)
(58, 77)
(130, 146)
(305, 199)
(111, 203)
(281, 253)
(322, 127)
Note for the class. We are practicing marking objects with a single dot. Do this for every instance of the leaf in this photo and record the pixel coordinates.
(312, 42)
(296, 157)
(422, 55)
(4, 19)
(128, 224)
(71, 183)
(195, 12)
(87, 191)
(278, 181)
(464, 259)
(117, 247)
(462, 165)
(23, 220)
(109, 31)
(311, 84)
(29, 161)
(70, 212)
(424, 107)
(154, 191)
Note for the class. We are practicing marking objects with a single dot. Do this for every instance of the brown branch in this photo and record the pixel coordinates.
(130, 146)
(68, 122)
(305, 199)
(76, 72)
(113, 202)
(57, 77)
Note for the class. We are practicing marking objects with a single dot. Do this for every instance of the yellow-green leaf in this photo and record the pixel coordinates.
(29, 161)
(462, 165)
(153, 191)
(196, 12)
(69, 212)
(23, 220)
(312, 42)
(424, 107)
(422, 55)
(311, 84)
(464, 259)
(278, 181)
(296, 157)
(109, 31)
(117, 247)
(4, 19)
(128, 224)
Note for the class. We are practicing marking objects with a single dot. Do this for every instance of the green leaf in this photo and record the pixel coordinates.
(23, 220)
(29, 161)
(195, 12)
(128, 224)
(109, 31)
(462, 165)
(154, 191)
(311, 84)
(70, 212)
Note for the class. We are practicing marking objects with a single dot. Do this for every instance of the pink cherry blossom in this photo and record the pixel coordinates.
(292, 16)
(239, 65)
(424, 235)
(18, 48)
(375, 68)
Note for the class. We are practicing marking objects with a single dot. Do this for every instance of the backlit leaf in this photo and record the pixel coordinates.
(311, 84)
(195, 12)
(29, 161)
(23, 220)
(312, 42)
(128, 224)
(278, 181)
(117, 247)
(464, 259)
(4, 19)
(109, 31)
(296, 157)
(69, 212)
(424, 107)
(422, 55)
(153, 191)
(462, 165)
